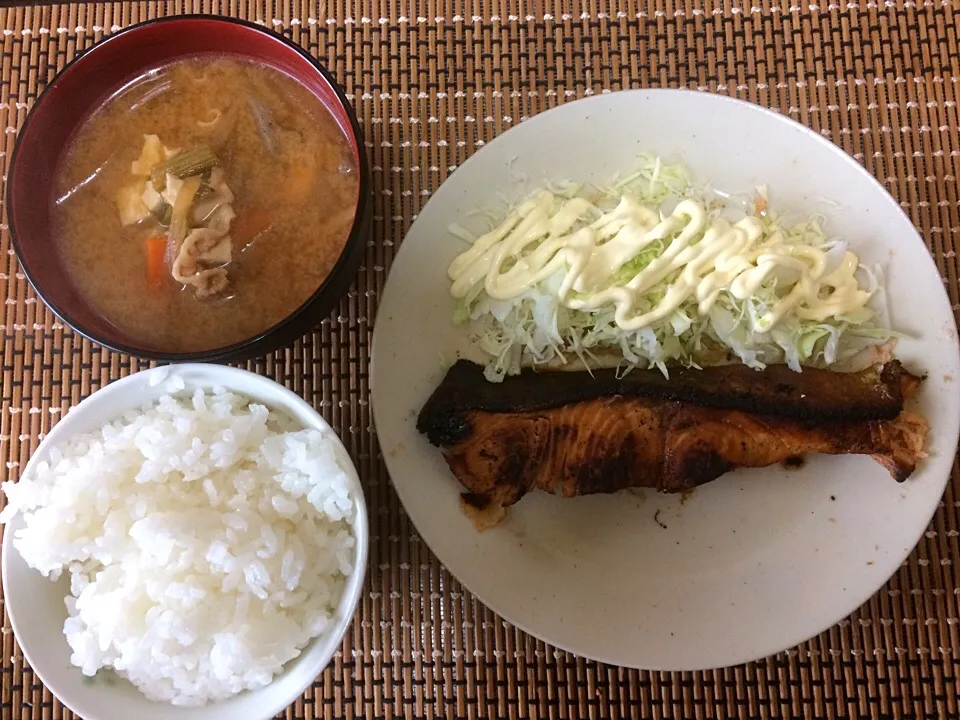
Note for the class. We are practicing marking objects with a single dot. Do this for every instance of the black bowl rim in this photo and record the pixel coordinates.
(257, 344)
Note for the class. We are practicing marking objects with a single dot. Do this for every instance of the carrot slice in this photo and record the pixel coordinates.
(156, 251)
(249, 224)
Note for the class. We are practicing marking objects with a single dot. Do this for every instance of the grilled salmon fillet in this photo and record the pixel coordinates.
(573, 434)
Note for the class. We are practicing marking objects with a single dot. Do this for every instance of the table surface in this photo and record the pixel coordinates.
(431, 85)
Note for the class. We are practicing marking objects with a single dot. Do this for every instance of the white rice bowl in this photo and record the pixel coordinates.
(207, 540)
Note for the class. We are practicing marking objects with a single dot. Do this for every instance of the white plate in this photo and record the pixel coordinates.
(750, 564)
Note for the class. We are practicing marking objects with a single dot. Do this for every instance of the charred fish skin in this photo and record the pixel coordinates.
(816, 396)
(444, 427)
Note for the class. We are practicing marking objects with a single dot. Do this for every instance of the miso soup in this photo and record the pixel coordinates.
(204, 202)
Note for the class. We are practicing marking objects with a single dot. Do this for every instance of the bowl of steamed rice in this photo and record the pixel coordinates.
(188, 543)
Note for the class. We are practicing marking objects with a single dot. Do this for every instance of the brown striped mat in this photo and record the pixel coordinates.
(431, 84)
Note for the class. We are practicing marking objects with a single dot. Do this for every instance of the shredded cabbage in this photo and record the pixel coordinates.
(535, 328)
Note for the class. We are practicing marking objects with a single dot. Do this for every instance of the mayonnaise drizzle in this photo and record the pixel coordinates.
(702, 258)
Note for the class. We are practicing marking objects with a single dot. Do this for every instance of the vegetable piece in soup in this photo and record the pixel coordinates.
(204, 202)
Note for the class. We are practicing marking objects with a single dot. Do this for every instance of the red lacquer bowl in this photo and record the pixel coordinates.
(81, 87)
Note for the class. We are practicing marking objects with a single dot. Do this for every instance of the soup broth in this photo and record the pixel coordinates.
(268, 220)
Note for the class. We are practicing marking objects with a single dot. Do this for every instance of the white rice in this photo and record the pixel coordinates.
(207, 542)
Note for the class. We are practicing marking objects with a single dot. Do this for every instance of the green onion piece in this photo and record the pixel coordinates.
(193, 161)
(180, 216)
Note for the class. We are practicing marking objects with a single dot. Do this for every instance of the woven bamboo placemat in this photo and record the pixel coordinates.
(431, 84)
